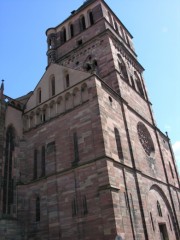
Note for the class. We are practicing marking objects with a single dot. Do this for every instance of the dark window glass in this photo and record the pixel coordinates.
(53, 86)
(110, 18)
(85, 208)
(72, 30)
(67, 80)
(43, 161)
(76, 149)
(35, 164)
(118, 143)
(116, 26)
(91, 18)
(82, 23)
(159, 209)
(132, 83)
(39, 96)
(37, 209)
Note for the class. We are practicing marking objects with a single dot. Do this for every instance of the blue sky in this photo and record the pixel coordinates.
(154, 24)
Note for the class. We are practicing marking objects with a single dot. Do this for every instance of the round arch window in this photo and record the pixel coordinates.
(145, 139)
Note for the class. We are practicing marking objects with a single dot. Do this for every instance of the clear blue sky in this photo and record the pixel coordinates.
(154, 24)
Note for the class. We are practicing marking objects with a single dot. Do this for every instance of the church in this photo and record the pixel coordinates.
(81, 156)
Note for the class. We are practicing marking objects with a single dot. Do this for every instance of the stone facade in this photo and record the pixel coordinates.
(81, 156)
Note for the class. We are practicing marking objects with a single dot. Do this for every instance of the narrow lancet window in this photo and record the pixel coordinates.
(71, 30)
(43, 161)
(118, 143)
(85, 208)
(35, 164)
(76, 150)
(159, 209)
(67, 80)
(38, 209)
(52, 86)
(91, 18)
(82, 23)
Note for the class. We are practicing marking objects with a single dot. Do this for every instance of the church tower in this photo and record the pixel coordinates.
(88, 160)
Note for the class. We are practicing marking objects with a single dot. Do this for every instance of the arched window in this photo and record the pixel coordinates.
(64, 35)
(35, 164)
(139, 85)
(67, 80)
(132, 83)
(82, 23)
(116, 26)
(110, 100)
(118, 143)
(39, 95)
(43, 162)
(8, 196)
(71, 28)
(52, 86)
(76, 97)
(159, 209)
(84, 92)
(127, 40)
(122, 68)
(38, 209)
(91, 18)
(76, 148)
(110, 19)
(122, 32)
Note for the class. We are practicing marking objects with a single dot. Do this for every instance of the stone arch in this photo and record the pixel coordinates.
(76, 96)
(68, 101)
(38, 116)
(52, 108)
(44, 114)
(60, 105)
(156, 188)
(84, 92)
(158, 200)
(32, 119)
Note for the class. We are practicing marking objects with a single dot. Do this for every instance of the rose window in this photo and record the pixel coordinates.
(145, 139)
